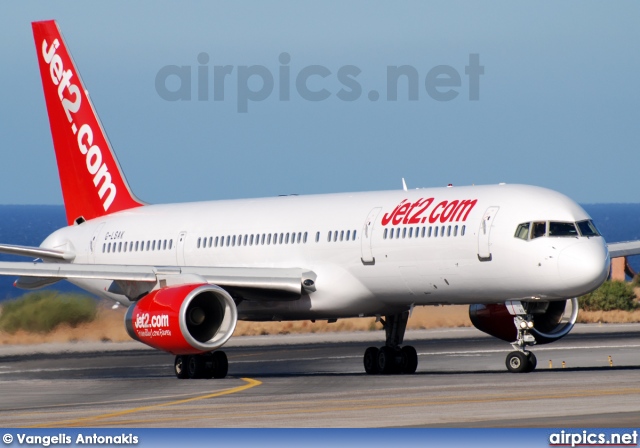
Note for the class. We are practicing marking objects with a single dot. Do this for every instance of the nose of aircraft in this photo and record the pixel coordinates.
(584, 266)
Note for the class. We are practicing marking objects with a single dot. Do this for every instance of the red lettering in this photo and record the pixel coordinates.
(387, 216)
(410, 209)
(434, 217)
(415, 219)
(448, 211)
(397, 219)
(460, 209)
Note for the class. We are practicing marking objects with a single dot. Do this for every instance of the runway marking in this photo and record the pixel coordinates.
(82, 421)
(459, 352)
(404, 403)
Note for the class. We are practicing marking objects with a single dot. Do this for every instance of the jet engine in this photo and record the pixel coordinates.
(184, 319)
(551, 320)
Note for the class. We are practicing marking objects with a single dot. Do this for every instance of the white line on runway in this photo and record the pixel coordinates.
(320, 358)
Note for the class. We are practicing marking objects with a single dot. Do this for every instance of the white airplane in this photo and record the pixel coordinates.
(518, 255)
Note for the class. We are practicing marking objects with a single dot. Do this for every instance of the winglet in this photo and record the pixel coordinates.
(92, 182)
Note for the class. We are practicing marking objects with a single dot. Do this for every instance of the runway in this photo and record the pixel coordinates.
(318, 381)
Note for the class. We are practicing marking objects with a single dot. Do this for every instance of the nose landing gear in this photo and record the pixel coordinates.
(521, 360)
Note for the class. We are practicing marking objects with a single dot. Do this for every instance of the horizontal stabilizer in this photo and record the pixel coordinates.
(37, 252)
(624, 249)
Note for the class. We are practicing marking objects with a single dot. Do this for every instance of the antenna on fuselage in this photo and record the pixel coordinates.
(404, 185)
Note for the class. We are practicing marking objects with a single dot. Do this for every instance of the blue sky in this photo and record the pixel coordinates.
(558, 103)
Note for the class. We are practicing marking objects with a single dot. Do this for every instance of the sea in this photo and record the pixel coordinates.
(29, 225)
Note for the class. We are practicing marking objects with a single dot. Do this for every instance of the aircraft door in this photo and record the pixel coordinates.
(94, 241)
(367, 234)
(484, 234)
(180, 248)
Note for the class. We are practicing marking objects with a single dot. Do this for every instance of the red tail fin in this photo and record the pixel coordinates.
(92, 182)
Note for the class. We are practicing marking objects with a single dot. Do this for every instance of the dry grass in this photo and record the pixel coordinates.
(609, 317)
(109, 325)
(423, 317)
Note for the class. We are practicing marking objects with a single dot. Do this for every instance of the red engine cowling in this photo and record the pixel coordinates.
(185, 319)
(551, 320)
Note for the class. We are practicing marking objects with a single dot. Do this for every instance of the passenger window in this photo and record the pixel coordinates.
(435, 231)
(429, 236)
(281, 237)
(384, 234)
(404, 232)
(199, 243)
(104, 247)
(137, 246)
(539, 229)
(304, 238)
(448, 230)
(587, 228)
(455, 231)
(164, 244)
(354, 235)
(562, 229)
(410, 232)
(463, 230)
(244, 240)
(522, 231)
(153, 247)
(348, 235)
(341, 235)
(317, 237)
(125, 247)
(442, 231)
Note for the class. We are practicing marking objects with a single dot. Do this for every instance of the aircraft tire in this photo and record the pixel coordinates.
(220, 366)
(196, 367)
(386, 360)
(370, 360)
(517, 362)
(410, 359)
(533, 362)
(180, 367)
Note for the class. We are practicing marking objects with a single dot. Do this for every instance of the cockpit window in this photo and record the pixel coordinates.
(562, 229)
(533, 230)
(522, 231)
(587, 228)
(539, 229)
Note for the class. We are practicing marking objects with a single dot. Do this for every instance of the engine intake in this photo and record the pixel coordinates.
(185, 319)
(551, 320)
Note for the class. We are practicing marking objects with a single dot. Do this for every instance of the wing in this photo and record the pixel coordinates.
(624, 249)
(134, 281)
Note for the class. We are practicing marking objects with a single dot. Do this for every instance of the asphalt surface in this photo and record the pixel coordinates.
(318, 381)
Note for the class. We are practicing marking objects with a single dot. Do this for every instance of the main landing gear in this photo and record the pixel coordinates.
(207, 365)
(392, 359)
(521, 360)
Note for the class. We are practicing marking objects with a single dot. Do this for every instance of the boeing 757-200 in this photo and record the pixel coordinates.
(518, 255)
